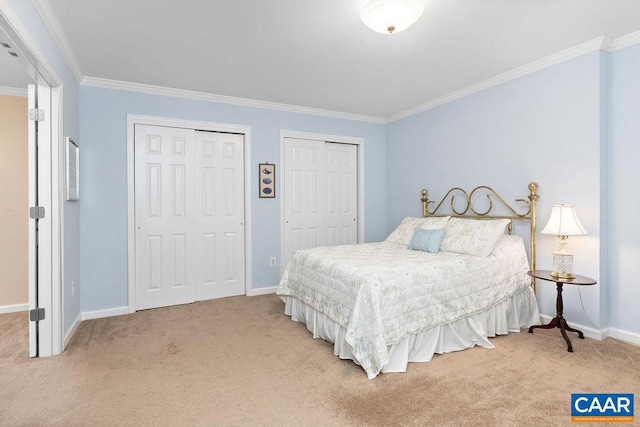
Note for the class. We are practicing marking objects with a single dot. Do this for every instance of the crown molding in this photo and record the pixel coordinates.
(557, 58)
(606, 44)
(222, 99)
(625, 41)
(13, 91)
(51, 22)
(601, 43)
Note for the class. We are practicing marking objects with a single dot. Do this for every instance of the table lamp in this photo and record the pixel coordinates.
(563, 223)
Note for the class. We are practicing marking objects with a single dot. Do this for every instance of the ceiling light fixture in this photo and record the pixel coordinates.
(391, 16)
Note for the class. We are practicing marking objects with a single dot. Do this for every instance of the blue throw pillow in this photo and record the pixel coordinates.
(426, 240)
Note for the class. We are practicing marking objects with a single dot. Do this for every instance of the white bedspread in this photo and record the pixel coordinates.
(381, 293)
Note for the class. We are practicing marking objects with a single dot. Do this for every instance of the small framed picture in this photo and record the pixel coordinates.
(267, 184)
(73, 170)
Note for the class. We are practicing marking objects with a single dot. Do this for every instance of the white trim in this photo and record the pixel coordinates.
(630, 337)
(131, 214)
(40, 69)
(52, 24)
(58, 36)
(605, 45)
(588, 331)
(597, 334)
(47, 242)
(109, 312)
(132, 120)
(356, 140)
(262, 291)
(284, 133)
(14, 308)
(222, 99)
(625, 41)
(57, 220)
(72, 330)
(602, 42)
(627, 336)
(13, 91)
(32, 252)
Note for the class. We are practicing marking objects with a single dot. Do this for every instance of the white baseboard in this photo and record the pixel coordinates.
(619, 334)
(597, 334)
(99, 314)
(120, 311)
(72, 330)
(262, 291)
(588, 331)
(600, 334)
(14, 308)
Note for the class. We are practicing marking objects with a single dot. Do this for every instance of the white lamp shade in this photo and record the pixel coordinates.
(564, 222)
(391, 16)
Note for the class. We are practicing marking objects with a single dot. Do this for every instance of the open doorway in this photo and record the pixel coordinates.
(14, 179)
(14, 195)
(40, 212)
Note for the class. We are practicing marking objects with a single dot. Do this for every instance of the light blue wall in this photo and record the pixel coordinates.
(572, 127)
(542, 127)
(37, 36)
(624, 203)
(103, 211)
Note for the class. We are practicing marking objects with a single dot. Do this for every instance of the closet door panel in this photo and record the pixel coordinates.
(320, 181)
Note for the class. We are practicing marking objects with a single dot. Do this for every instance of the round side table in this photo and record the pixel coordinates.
(559, 321)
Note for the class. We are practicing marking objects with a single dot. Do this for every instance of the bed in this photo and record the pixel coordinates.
(444, 282)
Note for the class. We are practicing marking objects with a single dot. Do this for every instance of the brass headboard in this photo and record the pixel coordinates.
(470, 209)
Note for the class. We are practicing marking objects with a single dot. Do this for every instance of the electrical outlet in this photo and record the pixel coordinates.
(73, 287)
(272, 261)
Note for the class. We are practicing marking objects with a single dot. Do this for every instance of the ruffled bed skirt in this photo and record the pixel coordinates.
(511, 315)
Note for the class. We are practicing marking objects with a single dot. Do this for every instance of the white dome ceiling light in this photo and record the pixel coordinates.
(391, 16)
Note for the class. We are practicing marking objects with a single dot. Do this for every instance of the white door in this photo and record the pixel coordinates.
(304, 195)
(320, 194)
(40, 291)
(189, 202)
(165, 216)
(220, 214)
(342, 200)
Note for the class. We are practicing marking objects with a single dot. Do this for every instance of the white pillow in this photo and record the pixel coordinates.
(402, 235)
(472, 236)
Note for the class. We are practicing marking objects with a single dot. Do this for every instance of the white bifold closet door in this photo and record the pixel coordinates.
(320, 195)
(189, 201)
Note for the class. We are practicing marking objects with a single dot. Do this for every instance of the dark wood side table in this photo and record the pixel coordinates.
(559, 321)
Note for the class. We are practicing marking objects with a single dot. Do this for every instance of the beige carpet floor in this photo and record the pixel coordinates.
(241, 361)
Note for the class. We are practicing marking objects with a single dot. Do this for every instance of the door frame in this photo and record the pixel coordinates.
(134, 119)
(340, 139)
(50, 253)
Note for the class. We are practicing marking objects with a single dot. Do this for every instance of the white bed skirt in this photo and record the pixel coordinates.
(511, 315)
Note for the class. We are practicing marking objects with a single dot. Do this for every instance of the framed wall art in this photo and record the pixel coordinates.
(72, 152)
(267, 184)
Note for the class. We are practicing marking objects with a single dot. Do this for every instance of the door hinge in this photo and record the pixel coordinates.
(36, 314)
(36, 114)
(36, 212)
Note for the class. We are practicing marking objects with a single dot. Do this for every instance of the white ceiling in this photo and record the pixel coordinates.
(319, 54)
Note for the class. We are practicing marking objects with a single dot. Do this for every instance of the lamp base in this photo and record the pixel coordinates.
(563, 275)
(563, 264)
